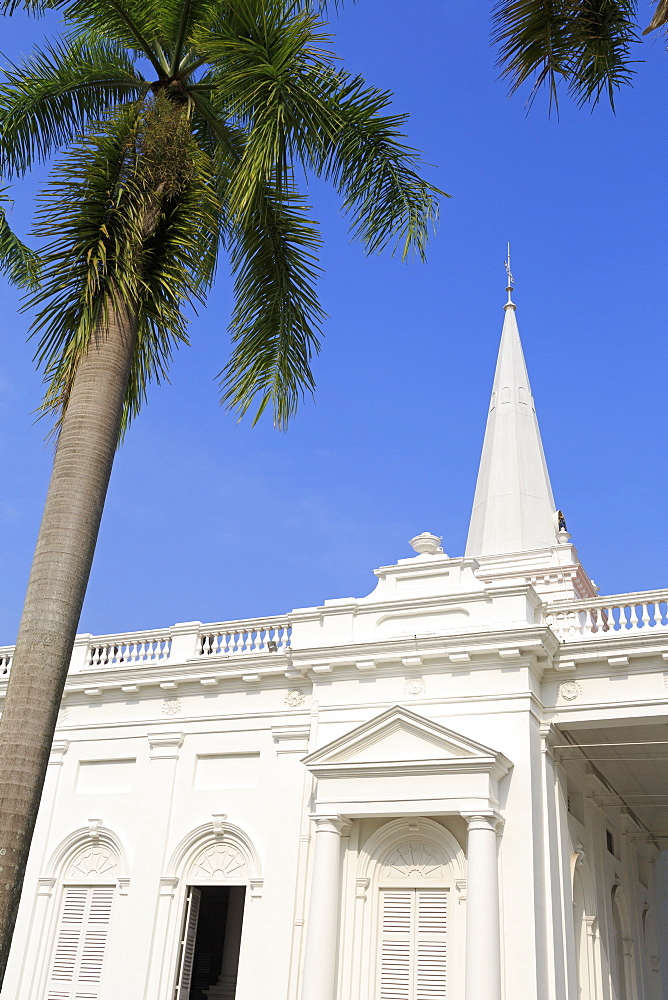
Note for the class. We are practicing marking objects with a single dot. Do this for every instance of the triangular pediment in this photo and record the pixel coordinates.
(399, 736)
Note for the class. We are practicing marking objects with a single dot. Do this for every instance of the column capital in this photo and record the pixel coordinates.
(483, 821)
(549, 736)
(333, 823)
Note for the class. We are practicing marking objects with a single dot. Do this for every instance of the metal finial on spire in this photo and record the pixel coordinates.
(511, 280)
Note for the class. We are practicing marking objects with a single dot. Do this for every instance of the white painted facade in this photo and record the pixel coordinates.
(456, 787)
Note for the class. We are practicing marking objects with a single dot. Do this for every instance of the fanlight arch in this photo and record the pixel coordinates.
(408, 847)
(215, 851)
(91, 853)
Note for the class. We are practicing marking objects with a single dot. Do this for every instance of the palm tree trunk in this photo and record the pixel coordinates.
(58, 580)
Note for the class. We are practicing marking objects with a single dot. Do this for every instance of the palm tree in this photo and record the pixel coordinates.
(586, 44)
(158, 172)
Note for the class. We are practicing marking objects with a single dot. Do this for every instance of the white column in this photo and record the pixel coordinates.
(483, 963)
(323, 915)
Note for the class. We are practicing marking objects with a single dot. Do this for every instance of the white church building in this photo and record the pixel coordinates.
(455, 788)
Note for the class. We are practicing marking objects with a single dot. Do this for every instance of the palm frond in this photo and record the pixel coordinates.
(277, 317)
(95, 216)
(19, 263)
(660, 17)
(259, 55)
(585, 44)
(276, 76)
(136, 24)
(47, 100)
(604, 32)
(377, 174)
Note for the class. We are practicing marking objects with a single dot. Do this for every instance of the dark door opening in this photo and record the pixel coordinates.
(210, 943)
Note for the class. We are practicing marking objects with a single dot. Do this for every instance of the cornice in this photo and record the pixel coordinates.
(456, 649)
(493, 766)
(615, 651)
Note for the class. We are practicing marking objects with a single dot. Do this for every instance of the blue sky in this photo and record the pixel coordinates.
(213, 520)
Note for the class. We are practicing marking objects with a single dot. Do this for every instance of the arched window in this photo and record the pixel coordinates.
(585, 930)
(623, 946)
(651, 954)
(216, 868)
(416, 883)
(88, 866)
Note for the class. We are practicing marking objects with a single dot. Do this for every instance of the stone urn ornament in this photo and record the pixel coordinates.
(427, 544)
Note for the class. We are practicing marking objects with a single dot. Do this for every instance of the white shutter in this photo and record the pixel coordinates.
(76, 971)
(430, 960)
(188, 944)
(413, 944)
(395, 946)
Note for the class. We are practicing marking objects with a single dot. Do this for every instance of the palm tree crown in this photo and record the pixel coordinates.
(187, 124)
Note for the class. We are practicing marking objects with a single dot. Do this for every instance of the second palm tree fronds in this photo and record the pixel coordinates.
(160, 170)
(586, 44)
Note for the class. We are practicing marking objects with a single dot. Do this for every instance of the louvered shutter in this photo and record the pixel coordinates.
(430, 959)
(396, 945)
(413, 944)
(76, 972)
(188, 944)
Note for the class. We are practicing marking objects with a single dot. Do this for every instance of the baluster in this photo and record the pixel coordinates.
(247, 641)
(645, 616)
(593, 617)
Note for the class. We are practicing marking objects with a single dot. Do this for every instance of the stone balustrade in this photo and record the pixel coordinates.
(144, 649)
(604, 617)
(188, 641)
(260, 635)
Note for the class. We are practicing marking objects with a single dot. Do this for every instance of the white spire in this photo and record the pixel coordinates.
(513, 508)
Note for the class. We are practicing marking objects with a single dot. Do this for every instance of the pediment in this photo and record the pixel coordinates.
(399, 737)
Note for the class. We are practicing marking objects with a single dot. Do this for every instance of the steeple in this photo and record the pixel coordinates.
(513, 508)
